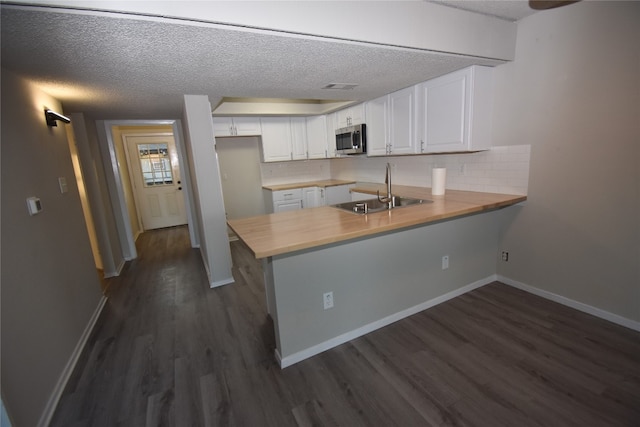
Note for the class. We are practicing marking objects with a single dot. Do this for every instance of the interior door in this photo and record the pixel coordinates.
(155, 175)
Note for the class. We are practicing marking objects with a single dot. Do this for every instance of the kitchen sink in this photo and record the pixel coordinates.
(375, 205)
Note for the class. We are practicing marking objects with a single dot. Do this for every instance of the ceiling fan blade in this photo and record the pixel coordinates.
(549, 4)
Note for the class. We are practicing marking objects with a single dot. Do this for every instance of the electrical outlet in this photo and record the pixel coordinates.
(505, 256)
(445, 262)
(327, 300)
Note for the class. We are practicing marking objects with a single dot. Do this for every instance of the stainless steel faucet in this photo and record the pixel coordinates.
(387, 180)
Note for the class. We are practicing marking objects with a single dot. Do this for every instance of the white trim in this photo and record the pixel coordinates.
(223, 282)
(594, 311)
(118, 270)
(50, 408)
(363, 330)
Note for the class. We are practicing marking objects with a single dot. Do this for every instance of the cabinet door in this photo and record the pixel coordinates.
(377, 127)
(276, 139)
(354, 115)
(310, 197)
(445, 112)
(341, 118)
(317, 139)
(331, 135)
(357, 114)
(298, 138)
(289, 205)
(223, 126)
(247, 126)
(402, 122)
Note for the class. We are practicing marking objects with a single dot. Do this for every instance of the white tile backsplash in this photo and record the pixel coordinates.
(498, 170)
(296, 171)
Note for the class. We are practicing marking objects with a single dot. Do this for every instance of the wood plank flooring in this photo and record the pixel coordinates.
(169, 351)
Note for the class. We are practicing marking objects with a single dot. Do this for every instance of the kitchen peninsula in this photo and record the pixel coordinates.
(379, 267)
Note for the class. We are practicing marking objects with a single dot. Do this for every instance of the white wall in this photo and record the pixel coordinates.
(573, 94)
(50, 288)
(209, 202)
(297, 171)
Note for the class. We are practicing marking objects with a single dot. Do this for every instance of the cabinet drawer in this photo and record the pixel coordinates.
(282, 195)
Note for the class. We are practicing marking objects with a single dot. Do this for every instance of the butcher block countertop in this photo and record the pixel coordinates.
(284, 232)
(322, 183)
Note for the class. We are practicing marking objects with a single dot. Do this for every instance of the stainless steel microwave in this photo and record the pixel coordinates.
(352, 139)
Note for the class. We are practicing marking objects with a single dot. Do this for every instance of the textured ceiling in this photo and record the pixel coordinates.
(126, 67)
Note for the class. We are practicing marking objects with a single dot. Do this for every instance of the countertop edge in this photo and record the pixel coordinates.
(323, 183)
(471, 209)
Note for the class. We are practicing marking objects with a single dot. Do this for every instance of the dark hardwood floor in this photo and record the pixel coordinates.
(169, 351)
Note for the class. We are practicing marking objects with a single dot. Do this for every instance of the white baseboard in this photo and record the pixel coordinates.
(363, 330)
(50, 408)
(222, 282)
(594, 311)
(117, 272)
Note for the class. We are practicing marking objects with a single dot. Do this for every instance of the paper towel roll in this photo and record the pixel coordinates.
(438, 181)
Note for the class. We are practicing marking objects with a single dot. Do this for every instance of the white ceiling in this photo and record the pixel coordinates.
(117, 67)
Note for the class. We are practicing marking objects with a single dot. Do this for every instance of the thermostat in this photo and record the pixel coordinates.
(34, 205)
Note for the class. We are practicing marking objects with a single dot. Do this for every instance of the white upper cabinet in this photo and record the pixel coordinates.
(456, 111)
(298, 138)
(378, 126)
(331, 135)
(236, 126)
(276, 139)
(391, 124)
(354, 115)
(402, 121)
(317, 137)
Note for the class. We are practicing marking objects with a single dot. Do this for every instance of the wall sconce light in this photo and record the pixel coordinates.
(52, 117)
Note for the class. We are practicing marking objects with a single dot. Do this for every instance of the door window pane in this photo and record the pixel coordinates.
(155, 164)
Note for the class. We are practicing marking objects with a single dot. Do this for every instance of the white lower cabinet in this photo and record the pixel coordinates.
(287, 205)
(312, 197)
(307, 197)
(283, 200)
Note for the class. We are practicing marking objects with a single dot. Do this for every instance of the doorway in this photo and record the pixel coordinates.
(239, 159)
(154, 169)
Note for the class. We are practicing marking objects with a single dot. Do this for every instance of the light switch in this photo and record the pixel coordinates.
(62, 181)
(34, 205)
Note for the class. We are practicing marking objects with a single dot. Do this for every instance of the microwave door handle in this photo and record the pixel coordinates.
(353, 140)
